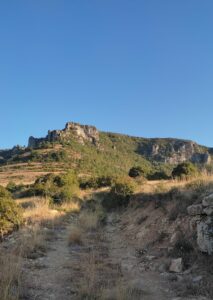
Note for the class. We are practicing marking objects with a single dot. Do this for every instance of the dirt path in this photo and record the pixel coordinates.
(122, 252)
(55, 275)
(48, 277)
(105, 259)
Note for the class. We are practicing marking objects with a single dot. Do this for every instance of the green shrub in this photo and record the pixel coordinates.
(136, 172)
(45, 186)
(120, 193)
(61, 188)
(12, 187)
(4, 193)
(10, 213)
(59, 156)
(96, 182)
(159, 175)
(185, 169)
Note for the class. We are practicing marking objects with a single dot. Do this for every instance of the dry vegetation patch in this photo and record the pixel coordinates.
(10, 276)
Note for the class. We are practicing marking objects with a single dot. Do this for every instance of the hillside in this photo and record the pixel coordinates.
(89, 151)
(87, 234)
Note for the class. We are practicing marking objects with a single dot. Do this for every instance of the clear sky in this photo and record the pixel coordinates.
(141, 67)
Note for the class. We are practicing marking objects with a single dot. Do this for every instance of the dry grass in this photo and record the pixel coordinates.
(73, 207)
(29, 242)
(167, 185)
(39, 211)
(88, 220)
(32, 242)
(99, 280)
(23, 175)
(124, 291)
(75, 236)
(88, 284)
(10, 276)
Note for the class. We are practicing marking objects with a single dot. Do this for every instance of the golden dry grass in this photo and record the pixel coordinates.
(73, 207)
(22, 176)
(75, 236)
(88, 220)
(32, 239)
(90, 266)
(38, 211)
(10, 276)
(166, 185)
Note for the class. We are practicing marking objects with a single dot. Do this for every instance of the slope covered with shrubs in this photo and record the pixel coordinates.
(10, 213)
(115, 155)
(59, 188)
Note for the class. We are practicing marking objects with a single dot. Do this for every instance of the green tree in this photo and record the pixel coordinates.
(136, 172)
(120, 193)
(185, 169)
(10, 212)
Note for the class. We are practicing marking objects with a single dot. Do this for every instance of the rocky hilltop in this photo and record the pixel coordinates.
(175, 151)
(83, 133)
(169, 151)
(92, 152)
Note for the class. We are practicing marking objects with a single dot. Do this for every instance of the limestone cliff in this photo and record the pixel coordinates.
(81, 133)
(174, 151)
(168, 150)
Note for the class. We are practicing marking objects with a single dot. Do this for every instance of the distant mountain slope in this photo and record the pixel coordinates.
(90, 151)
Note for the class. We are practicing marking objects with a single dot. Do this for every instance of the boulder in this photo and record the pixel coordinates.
(208, 210)
(205, 235)
(197, 278)
(175, 237)
(176, 265)
(208, 201)
(193, 222)
(194, 210)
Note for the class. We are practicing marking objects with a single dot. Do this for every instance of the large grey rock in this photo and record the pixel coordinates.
(82, 133)
(208, 201)
(194, 210)
(208, 210)
(176, 265)
(205, 235)
(175, 237)
(193, 222)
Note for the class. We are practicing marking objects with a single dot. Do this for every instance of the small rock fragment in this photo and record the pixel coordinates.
(176, 265)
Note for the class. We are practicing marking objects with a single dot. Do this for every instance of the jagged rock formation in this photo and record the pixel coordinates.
(174, 151)
(171, 151)
(82, 133)
(203, 214)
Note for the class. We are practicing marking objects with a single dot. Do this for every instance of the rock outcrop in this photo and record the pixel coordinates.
(203, 214)
(82, 133)
(176, 265)
(170, 151)
(174, 151)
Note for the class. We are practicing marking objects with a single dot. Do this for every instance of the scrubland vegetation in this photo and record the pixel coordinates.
(84, 205)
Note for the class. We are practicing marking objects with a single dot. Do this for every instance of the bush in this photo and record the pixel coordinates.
(10, 213)
(119, 194)
(57, 156)
(185, 169)
(12, 187)
(61, 188)
(136, 172)
(96, 182)
(159, 175)
(4, 193)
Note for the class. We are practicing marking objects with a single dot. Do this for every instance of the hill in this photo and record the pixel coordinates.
(89, 151)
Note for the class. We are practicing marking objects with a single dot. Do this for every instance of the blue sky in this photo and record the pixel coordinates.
(142, 67)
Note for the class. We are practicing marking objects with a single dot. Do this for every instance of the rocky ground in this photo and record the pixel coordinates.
(109, 261)
(106, 265)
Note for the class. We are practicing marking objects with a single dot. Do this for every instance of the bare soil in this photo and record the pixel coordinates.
(63, 270)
